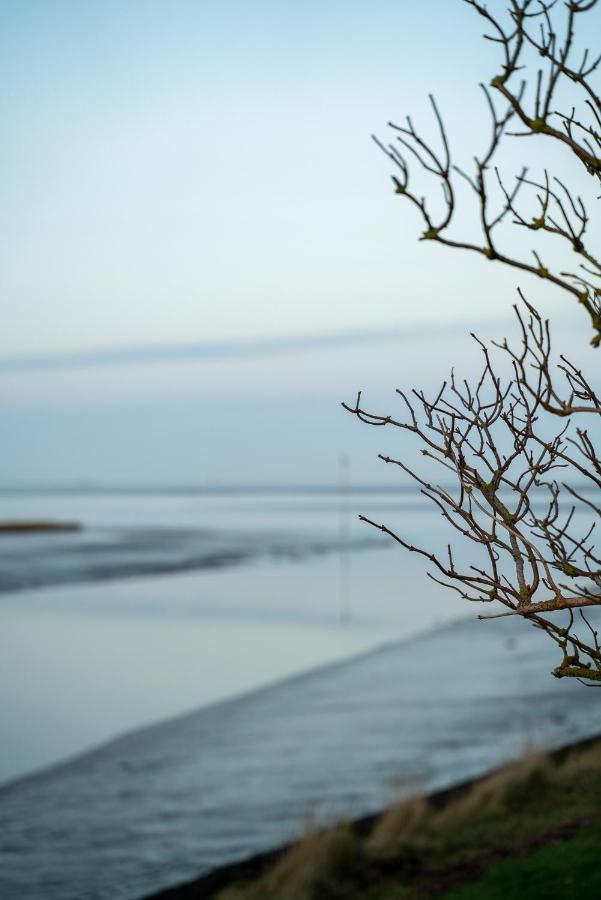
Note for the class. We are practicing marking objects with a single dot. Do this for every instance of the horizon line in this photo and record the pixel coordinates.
(232, 349)
(97, 487)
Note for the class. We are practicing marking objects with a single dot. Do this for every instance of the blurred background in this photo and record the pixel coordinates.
(201, 258)
(202, 254)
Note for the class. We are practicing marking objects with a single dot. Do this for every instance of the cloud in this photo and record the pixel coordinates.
(223, 350)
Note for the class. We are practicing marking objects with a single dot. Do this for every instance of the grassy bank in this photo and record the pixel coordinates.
(530, 830)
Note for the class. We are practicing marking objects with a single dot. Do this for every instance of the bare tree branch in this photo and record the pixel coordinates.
(528, 29)
(534, 536)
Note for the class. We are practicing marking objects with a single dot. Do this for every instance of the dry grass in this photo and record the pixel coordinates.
(414, 839)
(398, 825)
(313, 868)
(580, 762)
(507, 789)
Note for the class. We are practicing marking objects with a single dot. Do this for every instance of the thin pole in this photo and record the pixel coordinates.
(344, 519)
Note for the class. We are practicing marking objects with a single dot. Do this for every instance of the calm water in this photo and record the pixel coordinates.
(163, 804)
(165, 602)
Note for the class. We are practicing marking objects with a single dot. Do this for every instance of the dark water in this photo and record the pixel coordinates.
(170, 602)
(144, 533)
(166, 803)
(98, 554)
(166, 601)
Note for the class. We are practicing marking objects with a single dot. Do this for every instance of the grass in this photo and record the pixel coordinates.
(530, 830)
(562, 871)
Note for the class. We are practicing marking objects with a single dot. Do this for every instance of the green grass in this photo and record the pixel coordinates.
(567, 870)
(529, 830)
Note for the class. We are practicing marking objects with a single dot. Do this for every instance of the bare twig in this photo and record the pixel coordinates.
(529, 29)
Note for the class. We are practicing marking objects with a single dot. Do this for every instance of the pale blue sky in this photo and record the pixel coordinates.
(196, 170)
(174, 172)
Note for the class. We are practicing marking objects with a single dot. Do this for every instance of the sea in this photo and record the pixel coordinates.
(192, 672)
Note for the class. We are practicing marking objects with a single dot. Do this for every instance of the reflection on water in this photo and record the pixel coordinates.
(162, 805)
(80, 662)
(70, 679)
(89, 654)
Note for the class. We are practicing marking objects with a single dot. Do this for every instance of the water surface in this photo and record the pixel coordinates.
(168, 601)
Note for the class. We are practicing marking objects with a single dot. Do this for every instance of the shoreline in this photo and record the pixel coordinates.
(234, 780)
(300, 677)
(250, 868)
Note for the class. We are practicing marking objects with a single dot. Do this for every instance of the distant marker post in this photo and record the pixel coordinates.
(344, 519)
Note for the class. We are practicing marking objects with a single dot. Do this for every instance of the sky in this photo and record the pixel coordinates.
(201, 174)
